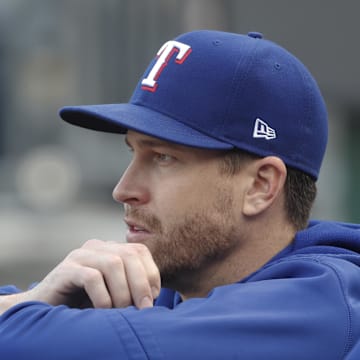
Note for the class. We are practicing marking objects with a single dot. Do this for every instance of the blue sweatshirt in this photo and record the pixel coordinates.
(303, 304)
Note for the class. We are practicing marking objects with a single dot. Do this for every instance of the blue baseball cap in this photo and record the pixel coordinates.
(218, 90)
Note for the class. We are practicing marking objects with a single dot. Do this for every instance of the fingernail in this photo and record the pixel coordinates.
(146, 302)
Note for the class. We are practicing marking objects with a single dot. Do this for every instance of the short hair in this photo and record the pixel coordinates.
(300, 188)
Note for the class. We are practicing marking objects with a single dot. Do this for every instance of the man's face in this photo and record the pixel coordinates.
(180, 206)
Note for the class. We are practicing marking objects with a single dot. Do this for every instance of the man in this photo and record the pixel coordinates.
(228, 133)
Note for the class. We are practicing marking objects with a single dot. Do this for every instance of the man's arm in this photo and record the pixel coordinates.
(100, 275)
(7, 301)
(290, 310)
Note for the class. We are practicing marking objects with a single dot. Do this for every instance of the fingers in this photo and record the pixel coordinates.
(91, 280)
(140, 286)
(149, 284)
(116, 275)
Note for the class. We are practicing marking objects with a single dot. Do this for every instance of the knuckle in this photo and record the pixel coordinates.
(91, 243)
(154, 276)
(128, 251)
(141, 249)
(91, 276)
(73, 255)
(132, 250)
(113, 261)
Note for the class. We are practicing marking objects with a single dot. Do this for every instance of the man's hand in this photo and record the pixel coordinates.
(101, 275)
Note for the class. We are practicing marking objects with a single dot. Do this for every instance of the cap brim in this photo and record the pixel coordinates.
(118, 118)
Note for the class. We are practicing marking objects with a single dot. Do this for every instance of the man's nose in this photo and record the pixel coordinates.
(132, 187)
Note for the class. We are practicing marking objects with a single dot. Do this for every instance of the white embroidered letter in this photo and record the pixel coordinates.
(164, 55)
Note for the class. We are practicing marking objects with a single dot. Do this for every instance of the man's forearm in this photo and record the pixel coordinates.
(8, 301)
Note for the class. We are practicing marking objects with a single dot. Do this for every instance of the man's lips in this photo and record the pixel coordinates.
(135, 226)
(137, 229)
(137, 232)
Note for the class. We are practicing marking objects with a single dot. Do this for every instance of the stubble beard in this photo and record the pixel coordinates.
(185, 249)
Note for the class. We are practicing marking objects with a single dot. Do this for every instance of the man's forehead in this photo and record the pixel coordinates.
(134, 137)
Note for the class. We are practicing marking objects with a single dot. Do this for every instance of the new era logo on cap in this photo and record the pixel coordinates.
(263, 131)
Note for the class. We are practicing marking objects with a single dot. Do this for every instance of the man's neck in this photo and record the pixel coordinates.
(240, 263)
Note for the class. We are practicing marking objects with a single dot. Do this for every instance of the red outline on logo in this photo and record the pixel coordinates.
(178, 61)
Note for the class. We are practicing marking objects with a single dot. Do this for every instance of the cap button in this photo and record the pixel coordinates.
(255, 34)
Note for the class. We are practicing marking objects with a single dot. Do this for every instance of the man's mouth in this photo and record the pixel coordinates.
(137, 228)
(137, 233)
(134, 225)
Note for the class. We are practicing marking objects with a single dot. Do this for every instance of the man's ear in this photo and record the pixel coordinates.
(268, 177)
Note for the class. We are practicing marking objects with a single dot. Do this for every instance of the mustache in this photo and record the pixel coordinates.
(150, 221)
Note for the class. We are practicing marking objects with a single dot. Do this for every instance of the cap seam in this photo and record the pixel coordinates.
(236, 85)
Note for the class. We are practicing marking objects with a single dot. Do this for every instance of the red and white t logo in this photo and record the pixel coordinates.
(164, 55)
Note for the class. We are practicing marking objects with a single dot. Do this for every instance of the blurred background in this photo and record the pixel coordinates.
(56, 180)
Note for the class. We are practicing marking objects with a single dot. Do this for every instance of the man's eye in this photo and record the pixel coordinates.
(163, 157)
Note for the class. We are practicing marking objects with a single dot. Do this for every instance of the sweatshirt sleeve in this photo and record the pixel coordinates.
(9, 289)
(296, 309)
(292, 310)
(34, 330)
